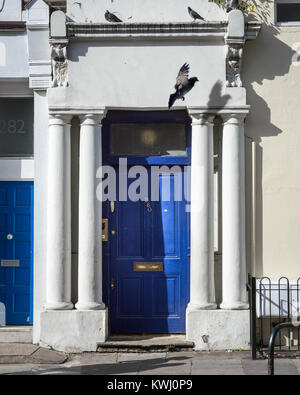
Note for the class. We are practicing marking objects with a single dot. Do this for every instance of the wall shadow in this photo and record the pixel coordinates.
(130, 367)
(216, 97)
(265, 59)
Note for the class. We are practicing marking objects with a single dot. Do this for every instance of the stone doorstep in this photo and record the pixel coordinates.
(144, 344)
(141, 349)
(15, 334)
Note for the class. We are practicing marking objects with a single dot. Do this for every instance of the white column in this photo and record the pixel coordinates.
(233, 208)
(202, 294)
(90, 217)
(59, 214)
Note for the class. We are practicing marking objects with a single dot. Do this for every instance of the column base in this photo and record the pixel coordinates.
(208, 306)
(234, 306)
(90, 306)
(59, 306)
(73, 331)
(217, 330)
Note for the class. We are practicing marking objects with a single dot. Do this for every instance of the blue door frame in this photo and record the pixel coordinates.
(16, 251)
(147, 302)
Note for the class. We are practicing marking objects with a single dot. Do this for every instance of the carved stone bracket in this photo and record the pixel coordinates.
(59, 63)
(234, 56)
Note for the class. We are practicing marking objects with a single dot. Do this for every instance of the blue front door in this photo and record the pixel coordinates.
(149, 266)
(16, 251)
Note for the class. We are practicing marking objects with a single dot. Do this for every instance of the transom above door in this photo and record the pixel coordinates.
(152, 137)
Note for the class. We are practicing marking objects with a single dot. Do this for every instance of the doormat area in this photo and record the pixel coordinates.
(145, 343)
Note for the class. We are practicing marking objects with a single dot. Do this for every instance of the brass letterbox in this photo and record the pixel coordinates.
(148, 266)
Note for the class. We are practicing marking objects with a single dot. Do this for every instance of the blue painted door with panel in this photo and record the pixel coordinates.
(16, 251)
(153, 232)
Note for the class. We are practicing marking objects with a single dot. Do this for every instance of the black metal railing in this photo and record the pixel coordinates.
(272, 303)
(276, 330)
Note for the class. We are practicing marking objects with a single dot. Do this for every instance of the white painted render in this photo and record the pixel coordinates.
(126, 72)
(16, 169)
(271, 75)
(148, 11)
(12, 10)
(219, 329)
(26, 65)
(40, 207)
(73, 330)
(15, 47)
(139, 73)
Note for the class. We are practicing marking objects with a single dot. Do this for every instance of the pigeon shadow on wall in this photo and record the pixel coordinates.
(216, 96)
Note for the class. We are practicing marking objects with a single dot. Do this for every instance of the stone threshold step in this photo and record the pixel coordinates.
(145, 344)
(15, 334)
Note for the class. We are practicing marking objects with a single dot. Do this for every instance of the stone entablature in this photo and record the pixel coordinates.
(213, 29)
(89, 30)
(234, 32)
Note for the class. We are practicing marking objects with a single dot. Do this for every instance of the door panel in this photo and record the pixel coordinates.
(131, 293)
(150, 232)
(130, 233)
(16, 219)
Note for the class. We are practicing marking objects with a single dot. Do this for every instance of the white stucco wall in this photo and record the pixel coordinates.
(40, 206)
(273, 85)
(25, 63)
(269, 76)
(141, 74)
(12, 10)
(145, 11)
(15, 49)
(16, 169)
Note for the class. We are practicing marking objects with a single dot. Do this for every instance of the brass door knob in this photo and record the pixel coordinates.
(112, 283)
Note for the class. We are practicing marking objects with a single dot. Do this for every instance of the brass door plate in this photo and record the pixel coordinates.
(105, 229)
(148, 266)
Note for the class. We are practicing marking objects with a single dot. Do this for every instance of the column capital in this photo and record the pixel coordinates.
(234, 118)
(91, 118)
(200, 117)
(60, 119)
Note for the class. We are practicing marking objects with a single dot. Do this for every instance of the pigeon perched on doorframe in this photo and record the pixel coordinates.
(233, 5)
(194, 14)
(183, 84)
(110, 17)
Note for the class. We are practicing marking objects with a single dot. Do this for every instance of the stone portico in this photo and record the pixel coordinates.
(81, 324)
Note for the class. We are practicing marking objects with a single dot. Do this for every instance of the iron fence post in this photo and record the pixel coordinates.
(274, 333)
(252, 306)
(253, 325)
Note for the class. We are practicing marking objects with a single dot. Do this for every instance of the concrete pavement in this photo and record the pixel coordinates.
(166, 363)
(25, 353)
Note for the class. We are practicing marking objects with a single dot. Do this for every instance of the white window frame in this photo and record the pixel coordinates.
(275, 13)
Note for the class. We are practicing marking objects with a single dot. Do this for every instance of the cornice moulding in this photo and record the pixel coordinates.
(238, 109)
(74, 110)
(212, 29)
(146, 30)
